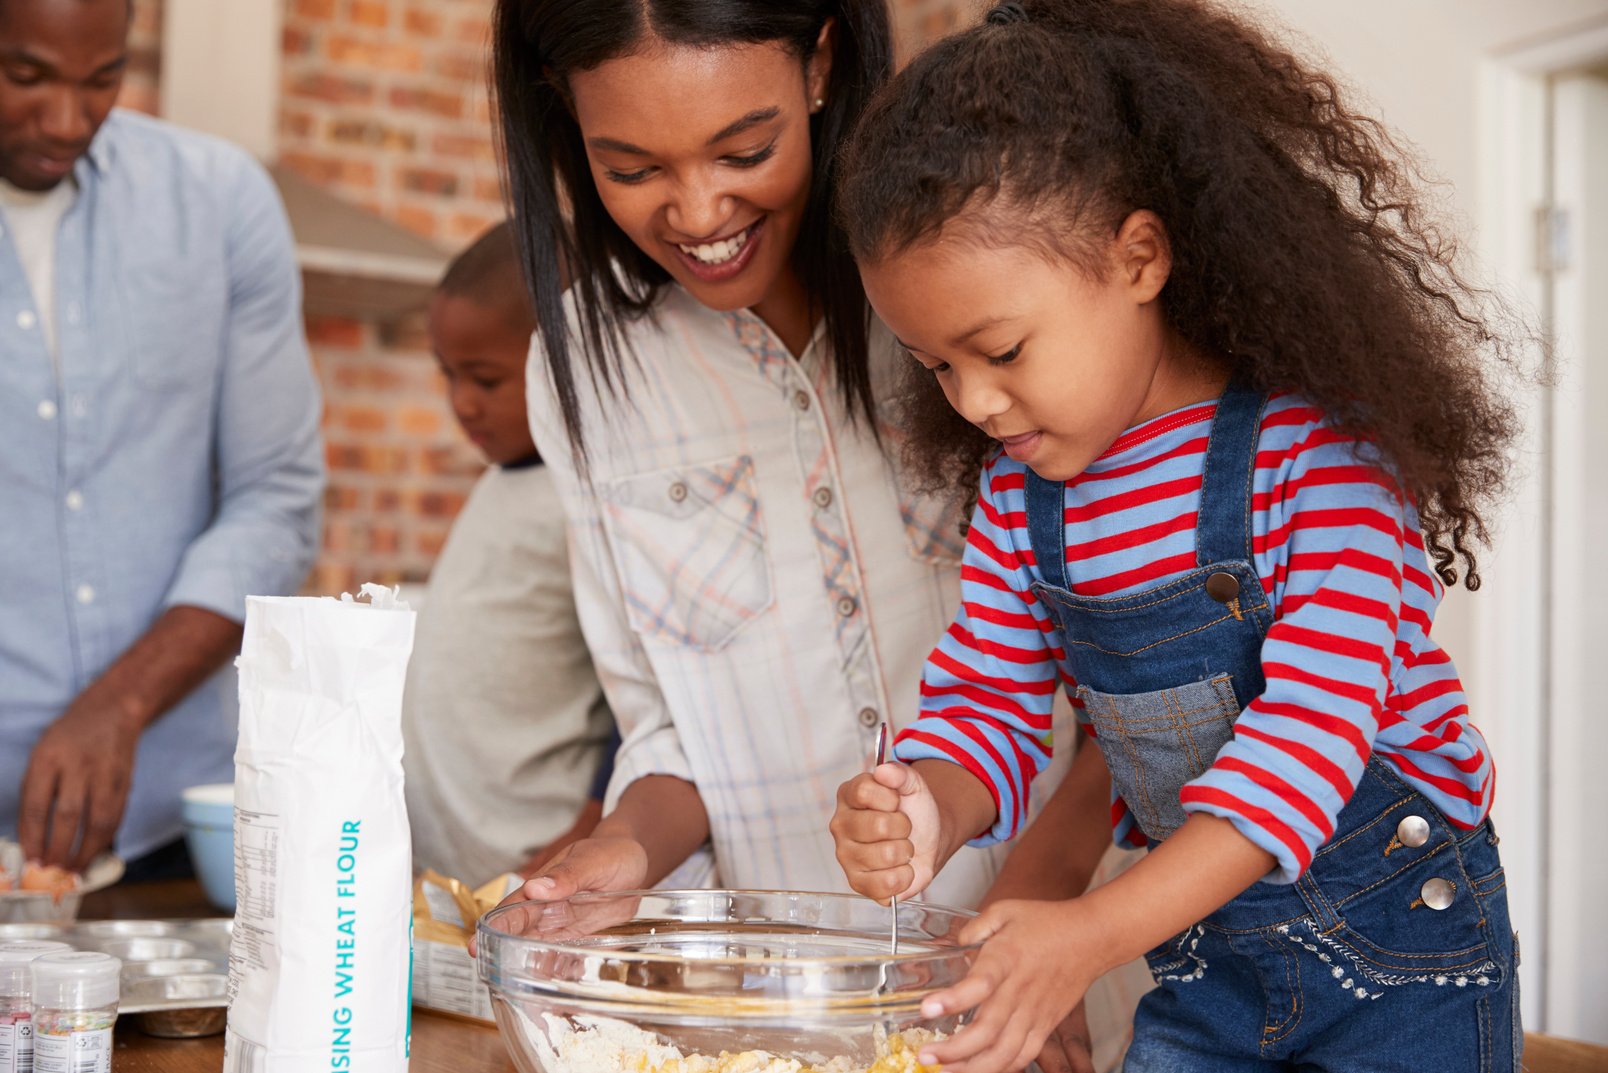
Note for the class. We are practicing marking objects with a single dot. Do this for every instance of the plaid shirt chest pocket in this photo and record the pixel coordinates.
(689, 543)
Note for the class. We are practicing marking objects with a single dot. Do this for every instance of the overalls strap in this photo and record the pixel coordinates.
(1223, 531)
(1046, 527)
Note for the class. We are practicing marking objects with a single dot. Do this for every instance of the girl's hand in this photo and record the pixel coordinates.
(1038, 959)
(887, 829)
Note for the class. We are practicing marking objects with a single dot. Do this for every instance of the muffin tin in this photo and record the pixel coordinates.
(175, 972)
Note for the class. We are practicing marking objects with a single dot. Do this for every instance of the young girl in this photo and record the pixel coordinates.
(757, 585)
(1226, 391)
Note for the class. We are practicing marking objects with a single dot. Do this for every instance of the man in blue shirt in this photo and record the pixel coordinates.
(159, 446)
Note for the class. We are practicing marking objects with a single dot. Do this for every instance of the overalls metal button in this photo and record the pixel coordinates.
(1437, 893)
(678, 492)
(846, 606)
(868, 717)
(801, 399)
(1412, 832)
(1222, 587)
(823, 497)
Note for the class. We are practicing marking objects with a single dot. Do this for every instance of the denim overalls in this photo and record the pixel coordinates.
(1393, 951)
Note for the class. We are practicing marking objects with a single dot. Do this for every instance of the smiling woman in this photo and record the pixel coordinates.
(726, 193)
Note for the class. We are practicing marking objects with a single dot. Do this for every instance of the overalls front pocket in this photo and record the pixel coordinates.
(1156, 742)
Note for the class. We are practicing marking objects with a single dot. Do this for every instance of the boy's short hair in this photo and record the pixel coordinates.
(488, 274)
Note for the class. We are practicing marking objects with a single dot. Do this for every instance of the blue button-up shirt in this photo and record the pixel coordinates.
(171, 455)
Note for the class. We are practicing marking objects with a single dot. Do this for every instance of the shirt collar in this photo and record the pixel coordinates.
(98, 159)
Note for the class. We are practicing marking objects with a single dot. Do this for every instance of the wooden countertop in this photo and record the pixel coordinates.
(441, 1044)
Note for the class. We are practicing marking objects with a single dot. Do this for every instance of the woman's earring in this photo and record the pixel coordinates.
(820, 102)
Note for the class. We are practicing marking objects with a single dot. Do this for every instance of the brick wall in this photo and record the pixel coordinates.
(385, 103)
(399, 467)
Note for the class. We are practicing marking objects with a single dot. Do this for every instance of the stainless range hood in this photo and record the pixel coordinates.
(221, 74)
(355, 263)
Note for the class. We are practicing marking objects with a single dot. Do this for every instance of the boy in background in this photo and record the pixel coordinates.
(508, 736)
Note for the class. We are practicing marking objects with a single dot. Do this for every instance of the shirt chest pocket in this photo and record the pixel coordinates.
(175, 317)
(689, 544)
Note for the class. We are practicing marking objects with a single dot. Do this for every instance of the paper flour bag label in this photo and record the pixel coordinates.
(319, 963)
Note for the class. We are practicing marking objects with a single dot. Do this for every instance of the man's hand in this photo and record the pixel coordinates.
(77, 783)
(583, 826)
(79, 774)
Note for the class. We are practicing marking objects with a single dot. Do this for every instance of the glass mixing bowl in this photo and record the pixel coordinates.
(699, 981)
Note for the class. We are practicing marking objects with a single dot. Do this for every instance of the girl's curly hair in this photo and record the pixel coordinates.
(1302, 250)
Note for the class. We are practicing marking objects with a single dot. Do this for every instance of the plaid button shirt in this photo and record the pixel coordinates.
(757, 590)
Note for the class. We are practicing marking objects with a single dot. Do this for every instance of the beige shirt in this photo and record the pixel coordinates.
(503, 716)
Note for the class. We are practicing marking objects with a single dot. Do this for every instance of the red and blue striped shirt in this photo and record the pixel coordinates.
(1350, 665)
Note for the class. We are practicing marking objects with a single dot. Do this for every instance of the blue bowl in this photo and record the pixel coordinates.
(209, 832)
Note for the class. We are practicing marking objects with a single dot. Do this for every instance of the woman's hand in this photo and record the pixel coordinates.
(608, 863)
(592, 864)
(886, 828)
(1069, 1048)
(1038, 959)
(585, 823)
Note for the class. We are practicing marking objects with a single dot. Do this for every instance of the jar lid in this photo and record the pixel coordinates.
(14, 960)
(75, 981)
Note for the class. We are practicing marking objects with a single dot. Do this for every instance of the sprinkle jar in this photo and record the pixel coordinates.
(74, 1008)
(16, 1002)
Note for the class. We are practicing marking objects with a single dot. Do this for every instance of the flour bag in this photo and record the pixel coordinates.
(319, 961)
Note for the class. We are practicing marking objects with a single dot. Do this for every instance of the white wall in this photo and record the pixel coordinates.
(220, 69)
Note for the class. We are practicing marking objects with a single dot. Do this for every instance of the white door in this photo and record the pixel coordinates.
(1576, 786)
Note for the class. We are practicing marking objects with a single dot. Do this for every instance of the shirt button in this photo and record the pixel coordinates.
(1437, 893)
(86, 594)
(75, 500)
(868, 717)
(822, 497)
(47, 410)
(801, 399)
(1412, 831)
(26, 319)
(678, 492)
(846, 606)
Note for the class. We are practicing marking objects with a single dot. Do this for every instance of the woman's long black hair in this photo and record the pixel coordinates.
(537, 44)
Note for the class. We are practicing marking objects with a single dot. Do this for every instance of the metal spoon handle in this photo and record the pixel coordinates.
(893, 903)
